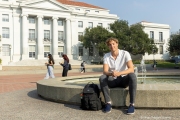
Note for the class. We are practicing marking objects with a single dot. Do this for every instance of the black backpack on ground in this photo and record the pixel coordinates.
(90, 98)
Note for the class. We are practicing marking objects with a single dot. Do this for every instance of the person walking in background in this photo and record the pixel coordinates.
(83, 67)
(155, 65)
(50, 67)
(118, 71)
(65, 65)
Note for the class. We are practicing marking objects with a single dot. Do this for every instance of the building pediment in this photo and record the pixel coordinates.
(45, 4)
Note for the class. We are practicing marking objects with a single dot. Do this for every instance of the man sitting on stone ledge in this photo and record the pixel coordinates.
(118, 71)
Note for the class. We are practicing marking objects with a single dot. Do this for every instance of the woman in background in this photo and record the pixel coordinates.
(65, 65)
(50, 67)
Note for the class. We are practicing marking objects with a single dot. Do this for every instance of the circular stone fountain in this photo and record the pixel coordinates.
(149, 94)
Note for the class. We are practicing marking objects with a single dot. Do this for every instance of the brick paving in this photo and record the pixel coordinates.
(9, 83)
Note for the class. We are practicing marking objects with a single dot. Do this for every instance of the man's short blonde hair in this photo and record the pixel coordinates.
(111, 39)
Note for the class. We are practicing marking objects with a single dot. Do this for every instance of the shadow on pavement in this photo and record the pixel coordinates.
(33, 94)
(123, 110)
(76, 107)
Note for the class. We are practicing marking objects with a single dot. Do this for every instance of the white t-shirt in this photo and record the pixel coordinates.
(120, 63)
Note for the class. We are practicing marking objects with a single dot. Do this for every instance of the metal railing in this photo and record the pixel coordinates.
(60, 40)
(32, 39)
(159, 41)
(47, 40)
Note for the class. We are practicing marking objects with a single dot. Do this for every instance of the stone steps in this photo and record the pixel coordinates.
(43, 67)
(16, 70)
(40, 62)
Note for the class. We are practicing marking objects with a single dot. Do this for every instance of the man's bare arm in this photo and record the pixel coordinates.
(106, 70)
(125, 72)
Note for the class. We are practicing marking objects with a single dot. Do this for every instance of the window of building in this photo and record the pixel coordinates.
(5, 0)
(31, 34)
(90, 51)
(160, 36)
(32, 49)
(108, 26)
(5, 32)
(96, 11)
(46, 21)
(31, 20)
(151, 34)
(160, 49)
(46, 50)
(60, 35)
(6, 50)
(5, 17)
(78, 9)
(47, 35)
(87, 10)
(60, 50)
(60, 22)
(80, 51)
(79, 35)
(90, 24)
(80, 24)
(100, 24)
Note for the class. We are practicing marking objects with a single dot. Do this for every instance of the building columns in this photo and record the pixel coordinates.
(55, 39)
(40, 54)
(24, 37)
(68, 38)
(74, 36)
(16, 49)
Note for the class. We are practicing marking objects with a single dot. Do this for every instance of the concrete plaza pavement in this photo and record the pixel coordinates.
(19, 101)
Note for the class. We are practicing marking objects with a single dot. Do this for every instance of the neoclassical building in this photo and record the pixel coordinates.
(160, 33)
(30, 29)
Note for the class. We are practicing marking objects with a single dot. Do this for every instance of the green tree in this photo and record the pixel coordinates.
(122, 32)
(132, 38)
(174, 44)
(96, 37)
(139, 42)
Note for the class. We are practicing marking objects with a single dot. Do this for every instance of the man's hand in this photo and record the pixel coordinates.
(115, 73)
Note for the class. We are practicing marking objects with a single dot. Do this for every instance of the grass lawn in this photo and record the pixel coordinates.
(160, 63)
(167, 65)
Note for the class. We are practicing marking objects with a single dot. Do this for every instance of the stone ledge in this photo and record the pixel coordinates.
(148, 95)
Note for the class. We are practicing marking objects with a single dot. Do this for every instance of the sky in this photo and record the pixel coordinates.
(155, 11)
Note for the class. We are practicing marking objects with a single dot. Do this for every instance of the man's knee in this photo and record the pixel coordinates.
(132, 76)
(102, 78)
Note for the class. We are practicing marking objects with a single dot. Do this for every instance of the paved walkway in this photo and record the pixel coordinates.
(19, 101)
(10, 83)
